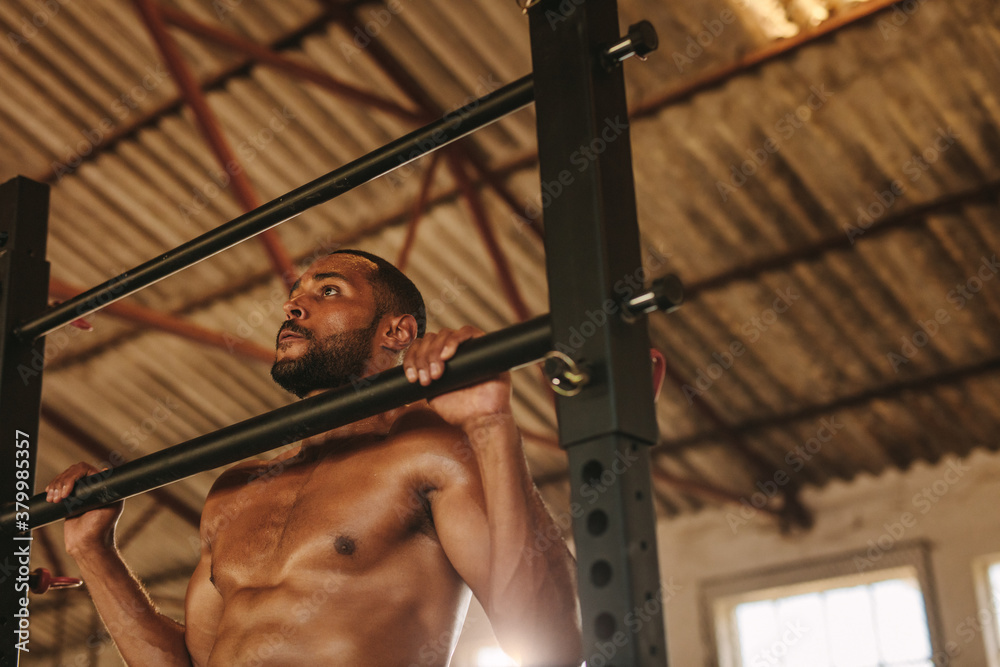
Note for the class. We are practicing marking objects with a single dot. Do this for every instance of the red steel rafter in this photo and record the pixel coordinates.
(500, 260)
(191, 90)
(394, 68)
(418, 212)
(170, 324)
(175, 103)
(397, 72)
(267, 56)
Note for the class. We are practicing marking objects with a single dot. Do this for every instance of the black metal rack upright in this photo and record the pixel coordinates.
(24, 288)
(592, 244)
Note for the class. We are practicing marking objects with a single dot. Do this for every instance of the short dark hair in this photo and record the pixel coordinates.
(394, 292)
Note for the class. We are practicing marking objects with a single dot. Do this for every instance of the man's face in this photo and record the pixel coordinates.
(328, 335)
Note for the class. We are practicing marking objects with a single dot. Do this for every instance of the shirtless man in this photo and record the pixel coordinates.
(361, 546)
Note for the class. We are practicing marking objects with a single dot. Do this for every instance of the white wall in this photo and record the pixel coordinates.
(960, 524)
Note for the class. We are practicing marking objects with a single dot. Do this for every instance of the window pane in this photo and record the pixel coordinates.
(802, 622)
(901, 621)
(995, 584)
(852, 632)
(756, 623)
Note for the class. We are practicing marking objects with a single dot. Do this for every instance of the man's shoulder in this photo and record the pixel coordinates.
(429, 443)
(236, 476)
(417, 417)
(422, 426)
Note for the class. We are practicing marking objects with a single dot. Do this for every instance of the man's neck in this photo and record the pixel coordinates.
(378, 424)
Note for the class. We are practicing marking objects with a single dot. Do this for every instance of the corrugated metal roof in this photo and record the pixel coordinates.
(755, 187)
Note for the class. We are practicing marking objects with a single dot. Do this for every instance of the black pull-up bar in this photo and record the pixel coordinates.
(475, 361)
(451, 127)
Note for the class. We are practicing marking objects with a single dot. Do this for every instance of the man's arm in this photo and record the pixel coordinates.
(143, 635)
(524, 579)
(489, 521)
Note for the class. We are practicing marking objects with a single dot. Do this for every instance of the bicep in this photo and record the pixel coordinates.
(460, 521)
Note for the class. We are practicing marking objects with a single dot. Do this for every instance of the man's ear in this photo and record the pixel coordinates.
(400, 331)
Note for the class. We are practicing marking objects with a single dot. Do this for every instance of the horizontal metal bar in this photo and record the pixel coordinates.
(450, 127)
(475, 361)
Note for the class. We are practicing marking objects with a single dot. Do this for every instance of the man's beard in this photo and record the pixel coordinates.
(335, 361)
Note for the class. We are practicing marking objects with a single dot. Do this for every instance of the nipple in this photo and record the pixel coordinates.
(344, 545)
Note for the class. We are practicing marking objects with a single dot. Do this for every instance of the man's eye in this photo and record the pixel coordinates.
(330, 290)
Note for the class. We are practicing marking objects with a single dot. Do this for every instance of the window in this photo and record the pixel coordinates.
(987, 570)
(827, 614)
(847, 622)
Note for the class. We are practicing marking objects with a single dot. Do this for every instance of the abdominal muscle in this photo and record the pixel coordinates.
(352, 621)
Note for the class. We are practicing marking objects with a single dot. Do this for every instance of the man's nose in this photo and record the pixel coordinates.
(293, 310)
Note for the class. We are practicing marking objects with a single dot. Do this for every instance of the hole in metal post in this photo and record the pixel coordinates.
(604, 625)
(597, 522)
(4, 237)
(592, 471)
(600, 573)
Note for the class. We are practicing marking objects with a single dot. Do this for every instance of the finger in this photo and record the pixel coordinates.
(55, 492)
(425, 356)
(414, 354)
(444, 348)
(60, 488)
(459, 337)
(409, 368)
(53, 487)
(435, 354)
(65, 487)
(428, 362)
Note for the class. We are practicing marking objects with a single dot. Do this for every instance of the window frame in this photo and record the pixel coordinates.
(805, 574)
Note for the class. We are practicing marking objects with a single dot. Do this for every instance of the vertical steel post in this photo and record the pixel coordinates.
(24, 281)
(594, 261)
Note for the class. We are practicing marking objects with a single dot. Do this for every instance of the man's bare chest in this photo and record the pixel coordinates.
(341, 514)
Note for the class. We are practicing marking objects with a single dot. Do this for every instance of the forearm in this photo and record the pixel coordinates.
(144, 636)
(532, 574)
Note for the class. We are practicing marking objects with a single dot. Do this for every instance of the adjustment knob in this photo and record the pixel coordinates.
(665, 294)
(640, 41)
